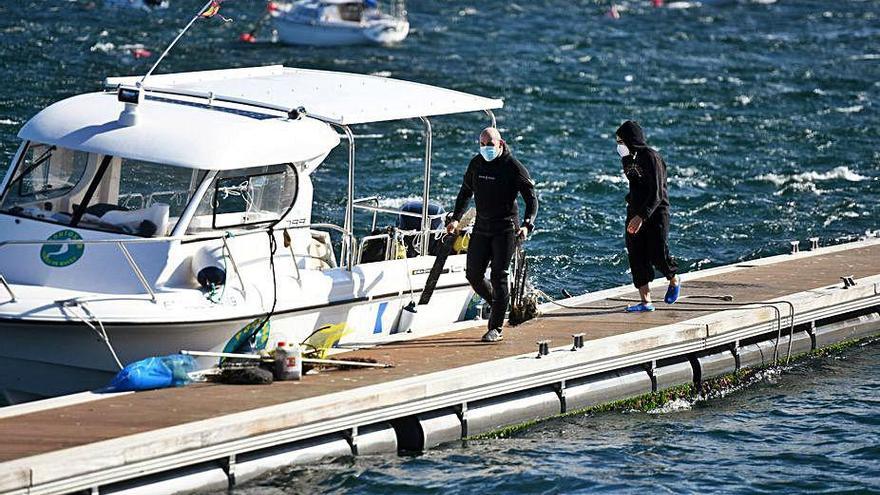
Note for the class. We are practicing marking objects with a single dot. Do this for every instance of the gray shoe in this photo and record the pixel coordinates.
(493, 335)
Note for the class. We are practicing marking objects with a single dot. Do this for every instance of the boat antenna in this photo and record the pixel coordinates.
(210, 9)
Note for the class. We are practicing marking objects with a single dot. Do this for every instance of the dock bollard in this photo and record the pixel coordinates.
(543, 348)
(577, 341)
(795, 246)
(814, 243)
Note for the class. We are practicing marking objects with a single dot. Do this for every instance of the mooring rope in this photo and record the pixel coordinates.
(73, 305)
(734, 306)
(726, 305)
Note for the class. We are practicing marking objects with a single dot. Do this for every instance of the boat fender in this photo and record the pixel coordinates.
(209, 267)
(407, 315)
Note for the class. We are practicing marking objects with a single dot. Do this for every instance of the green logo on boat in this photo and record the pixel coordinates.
(60, 255)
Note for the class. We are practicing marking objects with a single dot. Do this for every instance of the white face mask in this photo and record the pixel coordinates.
(489, 153)
(622, 150)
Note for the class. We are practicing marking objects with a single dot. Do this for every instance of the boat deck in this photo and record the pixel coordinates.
(422, 364)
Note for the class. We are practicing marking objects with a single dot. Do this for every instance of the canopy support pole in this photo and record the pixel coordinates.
(348, 247)
(426, 193)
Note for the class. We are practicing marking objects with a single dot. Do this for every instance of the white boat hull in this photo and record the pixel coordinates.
(325, 34)
(68, 357)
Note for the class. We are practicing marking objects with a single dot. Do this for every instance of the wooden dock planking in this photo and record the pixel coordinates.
(55, 429)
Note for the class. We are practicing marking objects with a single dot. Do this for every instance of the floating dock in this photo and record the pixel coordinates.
(445, 386)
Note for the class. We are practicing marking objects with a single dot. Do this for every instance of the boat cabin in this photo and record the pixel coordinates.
(202, 156)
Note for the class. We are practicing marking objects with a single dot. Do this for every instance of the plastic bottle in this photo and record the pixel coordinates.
(288, 361)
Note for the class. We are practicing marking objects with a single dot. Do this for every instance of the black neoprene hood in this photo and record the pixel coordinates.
(632, 135)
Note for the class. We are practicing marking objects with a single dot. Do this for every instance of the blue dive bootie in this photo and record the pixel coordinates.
(640, 308)
(672, 293)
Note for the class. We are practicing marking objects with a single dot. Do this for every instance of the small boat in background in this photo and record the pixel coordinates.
(339, 22)
(138, 4)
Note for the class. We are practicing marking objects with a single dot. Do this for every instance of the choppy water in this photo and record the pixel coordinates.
(767, 113)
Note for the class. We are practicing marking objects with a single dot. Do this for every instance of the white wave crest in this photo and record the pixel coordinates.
(834, 218)
(103, 47)
(837, 173)
(683, 5)
(396, 202)
(673, 406)
(611, 179)
(8, 122)
(852, 109)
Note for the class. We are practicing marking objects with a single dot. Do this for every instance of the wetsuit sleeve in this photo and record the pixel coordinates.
(464, 194)
(526, 187)
(653, 188)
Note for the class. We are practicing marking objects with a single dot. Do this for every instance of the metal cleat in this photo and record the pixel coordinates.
(848, 282)
(577, 341)
(814, 243)
(543, 348)
(795, 246)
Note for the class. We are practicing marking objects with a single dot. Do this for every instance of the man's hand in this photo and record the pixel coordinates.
(523, 233)
(451, 226)
(634, 225)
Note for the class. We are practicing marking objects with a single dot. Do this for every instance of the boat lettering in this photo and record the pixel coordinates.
(422, 271)
(61, 255)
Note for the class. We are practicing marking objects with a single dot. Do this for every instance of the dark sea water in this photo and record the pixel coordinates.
(767, 114)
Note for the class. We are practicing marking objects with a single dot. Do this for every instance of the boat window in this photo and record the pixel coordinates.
(91, 191)
(246, 198)
(45, 172)
(351, 12)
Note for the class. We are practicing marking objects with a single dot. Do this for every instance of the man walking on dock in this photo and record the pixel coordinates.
(494, 178)
(647, 215)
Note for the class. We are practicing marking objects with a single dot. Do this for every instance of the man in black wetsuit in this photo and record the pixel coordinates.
(494, 178)
(647, 215)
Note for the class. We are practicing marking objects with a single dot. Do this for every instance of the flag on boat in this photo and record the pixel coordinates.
(213, 10)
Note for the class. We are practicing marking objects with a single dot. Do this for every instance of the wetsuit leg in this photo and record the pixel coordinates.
(638, 250)
(503, 246)
(478, 256)
(659, 248)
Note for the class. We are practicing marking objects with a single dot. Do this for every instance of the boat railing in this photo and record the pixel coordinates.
(121, 245)
(8, 289)
(360, 204)
(376, 209)
(366, 239)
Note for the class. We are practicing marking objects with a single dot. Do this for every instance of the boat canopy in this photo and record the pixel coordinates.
(337, 97)
(183, 134)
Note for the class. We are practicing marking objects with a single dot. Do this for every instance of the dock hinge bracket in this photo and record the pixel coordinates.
(352, 437)
(734, 349)
(811, 331)
(650, 367)
(228, 465)
(462, 412)
(559, 388)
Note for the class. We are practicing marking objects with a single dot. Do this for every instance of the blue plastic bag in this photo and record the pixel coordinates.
(152, 373)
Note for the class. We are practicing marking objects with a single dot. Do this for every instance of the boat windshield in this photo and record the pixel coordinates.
(98, 192)
(246, 198)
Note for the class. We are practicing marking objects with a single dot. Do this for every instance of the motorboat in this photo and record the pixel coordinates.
(147, 5)
(173, 213)
(339, 22)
